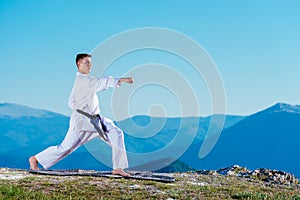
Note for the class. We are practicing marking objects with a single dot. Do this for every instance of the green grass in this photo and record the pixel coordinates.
(250, 195)
(185, 187)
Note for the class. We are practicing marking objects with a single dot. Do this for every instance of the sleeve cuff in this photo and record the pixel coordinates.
(117, 83)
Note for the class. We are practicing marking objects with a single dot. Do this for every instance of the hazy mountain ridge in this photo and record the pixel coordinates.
(267, 139)
(29, 131)
(12, 110)
(246, 140)
(283, 107)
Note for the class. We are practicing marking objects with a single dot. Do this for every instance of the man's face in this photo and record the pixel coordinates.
(85, 65)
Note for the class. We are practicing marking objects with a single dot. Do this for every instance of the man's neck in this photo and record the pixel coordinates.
(82, 72)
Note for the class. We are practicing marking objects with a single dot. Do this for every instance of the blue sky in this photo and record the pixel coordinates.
(255, 45)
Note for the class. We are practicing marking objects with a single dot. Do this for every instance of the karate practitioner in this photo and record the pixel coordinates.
(84, 97)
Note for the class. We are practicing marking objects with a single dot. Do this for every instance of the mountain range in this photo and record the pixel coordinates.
(266, 139)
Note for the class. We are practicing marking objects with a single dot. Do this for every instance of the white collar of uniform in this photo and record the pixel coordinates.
(80, 74)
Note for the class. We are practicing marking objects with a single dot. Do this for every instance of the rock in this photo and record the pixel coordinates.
(266, 175)
(198, 183)
(207, 172)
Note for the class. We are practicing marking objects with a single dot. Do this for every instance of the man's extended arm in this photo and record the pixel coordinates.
(126, 80)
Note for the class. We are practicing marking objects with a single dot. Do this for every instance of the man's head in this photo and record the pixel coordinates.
(84, 63)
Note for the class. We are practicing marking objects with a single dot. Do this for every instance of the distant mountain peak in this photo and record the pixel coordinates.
(18, 110)
(284, 107)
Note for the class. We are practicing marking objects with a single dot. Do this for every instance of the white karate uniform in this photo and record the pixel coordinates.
(84, 97)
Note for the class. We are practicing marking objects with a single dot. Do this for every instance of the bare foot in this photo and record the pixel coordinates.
(120, 172)
(33, 163)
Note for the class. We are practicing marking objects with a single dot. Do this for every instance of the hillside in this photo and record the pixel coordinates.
(268, 139)
(26, 131)
(221, 184)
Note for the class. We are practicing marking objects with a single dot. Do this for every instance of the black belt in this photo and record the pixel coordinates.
(94, 119)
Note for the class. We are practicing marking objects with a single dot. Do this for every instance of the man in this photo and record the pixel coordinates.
(84, 97)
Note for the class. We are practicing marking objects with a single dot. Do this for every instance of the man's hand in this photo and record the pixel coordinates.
(126, 80)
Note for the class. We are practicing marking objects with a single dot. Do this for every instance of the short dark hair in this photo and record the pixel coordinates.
(81, 56)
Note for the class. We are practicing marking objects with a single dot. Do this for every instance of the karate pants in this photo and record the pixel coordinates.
(75, 138)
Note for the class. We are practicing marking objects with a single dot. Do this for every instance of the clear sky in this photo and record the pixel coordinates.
(255, 45)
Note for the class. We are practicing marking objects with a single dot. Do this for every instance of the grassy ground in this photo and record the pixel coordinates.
(186, 186)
